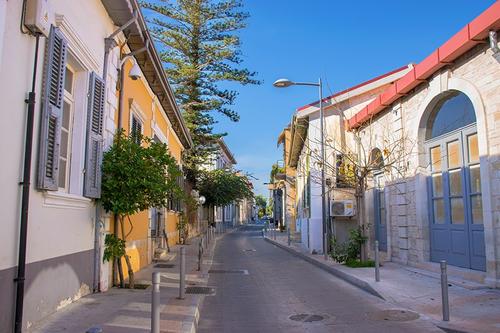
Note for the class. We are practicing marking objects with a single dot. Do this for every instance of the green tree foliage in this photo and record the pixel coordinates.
(275, 169)
(114, 248)
(221, 187)
(200, 49)
(261, 202)
(137, 174)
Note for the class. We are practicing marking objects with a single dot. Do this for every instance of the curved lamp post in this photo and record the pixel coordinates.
(285, 83)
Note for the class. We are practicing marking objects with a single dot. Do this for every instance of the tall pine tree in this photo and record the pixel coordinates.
(200, 48)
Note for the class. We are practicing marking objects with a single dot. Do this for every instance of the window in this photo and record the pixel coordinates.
(66, 130)
(452, 112)
(175, 203)
(345, 176)
(136, 129)
(72, 107)
(376, 159)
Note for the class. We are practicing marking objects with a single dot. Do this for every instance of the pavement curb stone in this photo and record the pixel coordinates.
(342, 275)
(191, 327)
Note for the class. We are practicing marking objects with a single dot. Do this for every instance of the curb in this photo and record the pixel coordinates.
(192, 327)
(332, 270)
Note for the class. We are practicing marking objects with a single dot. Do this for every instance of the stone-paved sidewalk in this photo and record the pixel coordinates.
(473, 307)
(129, 311)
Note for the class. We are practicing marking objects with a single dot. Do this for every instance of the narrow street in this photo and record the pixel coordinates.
(264, 286)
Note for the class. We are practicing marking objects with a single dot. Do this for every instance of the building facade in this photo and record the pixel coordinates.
(444, 206)
(150, 232)
(222, 159)
(304, 156)
(428, 137)
(62, 217)
(286, 183)
(75, 118)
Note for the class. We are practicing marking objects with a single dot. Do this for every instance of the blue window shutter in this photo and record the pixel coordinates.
(94, 151)
(51, 114)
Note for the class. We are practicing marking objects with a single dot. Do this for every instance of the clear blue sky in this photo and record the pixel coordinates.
(343, 42)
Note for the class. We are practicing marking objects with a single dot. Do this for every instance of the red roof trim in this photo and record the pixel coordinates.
(457, 45)
(354, 87)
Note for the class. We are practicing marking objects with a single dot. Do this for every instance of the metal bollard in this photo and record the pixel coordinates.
(155, 304)
(208, 235)
(200, 253)
(377, 263)
(182, 273)
(263, 234)
(444, 291)
(288, 234)
(325, 250)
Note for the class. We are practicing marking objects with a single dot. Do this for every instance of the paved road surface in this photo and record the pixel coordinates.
(279, 285)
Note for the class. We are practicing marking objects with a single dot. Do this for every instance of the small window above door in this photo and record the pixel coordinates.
(453, 111)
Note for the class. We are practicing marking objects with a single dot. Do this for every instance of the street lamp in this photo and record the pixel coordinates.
(285, 83)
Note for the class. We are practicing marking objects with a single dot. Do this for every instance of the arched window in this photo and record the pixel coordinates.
(376, 159)
(452, 112)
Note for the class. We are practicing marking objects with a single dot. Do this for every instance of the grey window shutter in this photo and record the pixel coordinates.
(93, 153)
(51, 115)
(136, 129)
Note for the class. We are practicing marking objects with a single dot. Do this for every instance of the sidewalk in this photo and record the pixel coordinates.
(129, 311)
(473, 307)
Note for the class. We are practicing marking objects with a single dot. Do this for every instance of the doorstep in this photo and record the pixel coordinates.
(468, 278)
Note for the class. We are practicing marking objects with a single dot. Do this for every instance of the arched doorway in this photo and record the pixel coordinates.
(455, 200)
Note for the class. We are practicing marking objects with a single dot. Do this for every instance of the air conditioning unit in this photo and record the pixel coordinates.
(37, 17)
(342, 208)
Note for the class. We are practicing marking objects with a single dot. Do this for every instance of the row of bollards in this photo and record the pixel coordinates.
(155, 302)
(444, 283)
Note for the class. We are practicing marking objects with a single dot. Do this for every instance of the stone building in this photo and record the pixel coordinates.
(430, 136)
(442, 201)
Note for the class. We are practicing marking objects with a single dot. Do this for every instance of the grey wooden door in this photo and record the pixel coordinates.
(455, 205)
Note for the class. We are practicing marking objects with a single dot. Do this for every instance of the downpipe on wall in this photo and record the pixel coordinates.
(26, 182)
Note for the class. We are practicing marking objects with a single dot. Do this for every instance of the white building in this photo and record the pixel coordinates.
(74, 113)
(223, 158)
(304, 155)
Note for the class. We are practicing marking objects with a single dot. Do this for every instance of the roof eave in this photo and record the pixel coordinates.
(149, 62)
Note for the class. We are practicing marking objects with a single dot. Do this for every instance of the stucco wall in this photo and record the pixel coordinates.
(61, 226)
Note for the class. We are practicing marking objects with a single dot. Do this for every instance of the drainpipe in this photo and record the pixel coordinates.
(109, 44)
(23, 234)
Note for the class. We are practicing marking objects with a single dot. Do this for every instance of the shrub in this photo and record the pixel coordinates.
(348, 251)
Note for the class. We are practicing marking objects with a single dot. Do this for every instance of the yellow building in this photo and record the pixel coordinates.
(287, 183)
(147, 106)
